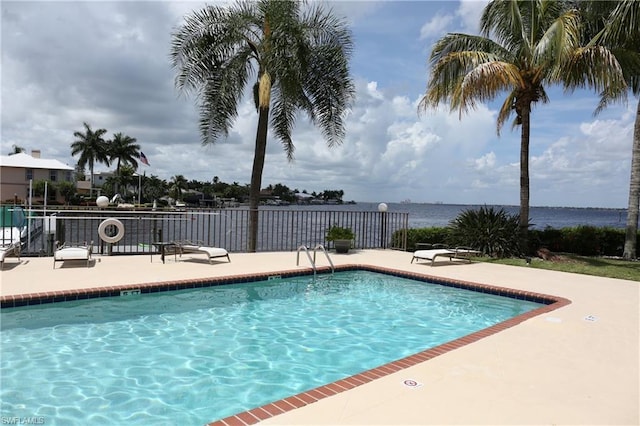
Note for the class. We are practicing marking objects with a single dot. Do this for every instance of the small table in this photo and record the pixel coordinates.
(162, 245)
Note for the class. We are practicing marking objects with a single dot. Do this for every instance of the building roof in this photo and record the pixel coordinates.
(28, 162)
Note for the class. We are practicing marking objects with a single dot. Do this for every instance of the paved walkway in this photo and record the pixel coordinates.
(575, 365)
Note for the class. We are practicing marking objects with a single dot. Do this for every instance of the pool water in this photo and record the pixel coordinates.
(195, 356)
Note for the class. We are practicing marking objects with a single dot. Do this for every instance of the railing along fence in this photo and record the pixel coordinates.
(279, 229)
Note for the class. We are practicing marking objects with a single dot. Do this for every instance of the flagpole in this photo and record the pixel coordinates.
(143, 160)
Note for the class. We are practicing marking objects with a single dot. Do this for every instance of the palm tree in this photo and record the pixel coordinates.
(533, 42)
(153, 188)
(124, 150)
(616, 26)
(177, 185)
(124, 180)
(297, 60)
(92, 148)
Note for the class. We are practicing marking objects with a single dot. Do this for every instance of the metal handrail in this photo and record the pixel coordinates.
(312, 261)
(321, 247)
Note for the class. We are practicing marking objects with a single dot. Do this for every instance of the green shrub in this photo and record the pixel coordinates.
(434, 235)
(612, 241)
(493, 232)
(580, 240)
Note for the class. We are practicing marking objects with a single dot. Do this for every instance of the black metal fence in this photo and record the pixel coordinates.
(279, 229)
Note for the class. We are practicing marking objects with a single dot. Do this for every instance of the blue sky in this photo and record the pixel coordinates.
(107, 63)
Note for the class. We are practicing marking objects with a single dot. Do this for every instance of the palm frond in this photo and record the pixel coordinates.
(559, 40)
(506, 110)
(503, 21)
(486, 80)
(623, 25)
(283, 117)
(595, 67)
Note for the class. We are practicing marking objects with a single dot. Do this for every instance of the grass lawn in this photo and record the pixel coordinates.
(599, 266)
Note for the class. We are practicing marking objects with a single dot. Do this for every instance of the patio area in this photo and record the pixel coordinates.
(575, 365)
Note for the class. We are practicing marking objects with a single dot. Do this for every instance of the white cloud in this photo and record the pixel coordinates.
(464, 19)
(436, 26)
(372, 90)
(470, 12)
(486, 162)
(107, 63)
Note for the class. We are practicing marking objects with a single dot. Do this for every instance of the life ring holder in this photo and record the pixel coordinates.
(102, 230)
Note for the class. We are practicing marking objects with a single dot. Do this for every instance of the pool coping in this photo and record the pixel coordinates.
(302, 399)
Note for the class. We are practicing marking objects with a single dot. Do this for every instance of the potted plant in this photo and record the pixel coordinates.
(341, 237)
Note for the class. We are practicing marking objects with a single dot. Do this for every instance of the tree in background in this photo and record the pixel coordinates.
(523, 47)
(79, 173)
(123, 149)
(298, 60)
(121, 183)
(615, 25)
(92, 148)
(176, 186)
(38, 187)
(153, 188)
(67, 190)
(17, 149)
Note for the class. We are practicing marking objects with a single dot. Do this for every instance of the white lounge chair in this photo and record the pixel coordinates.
(463, 253)
(184, 247)
(10, 243)
(8, 250)
(69, 251)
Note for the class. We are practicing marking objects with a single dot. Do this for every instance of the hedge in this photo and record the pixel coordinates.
(581, 240)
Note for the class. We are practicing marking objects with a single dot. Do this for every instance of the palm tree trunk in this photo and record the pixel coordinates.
(256, 176)
(634, 194)
(91, 180)
(524, 173)
(118, 177)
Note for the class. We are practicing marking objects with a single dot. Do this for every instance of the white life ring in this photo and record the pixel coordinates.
(103, 228)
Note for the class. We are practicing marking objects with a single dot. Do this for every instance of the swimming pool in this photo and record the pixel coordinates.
(198, 355)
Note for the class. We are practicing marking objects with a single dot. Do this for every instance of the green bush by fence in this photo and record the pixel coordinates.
(435, 235)
(580, 240)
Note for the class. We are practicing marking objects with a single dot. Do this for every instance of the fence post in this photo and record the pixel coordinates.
(382, 208)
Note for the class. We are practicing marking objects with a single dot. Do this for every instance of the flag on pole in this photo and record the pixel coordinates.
(143, 159)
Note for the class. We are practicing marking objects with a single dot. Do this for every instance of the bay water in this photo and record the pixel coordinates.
(424, 215)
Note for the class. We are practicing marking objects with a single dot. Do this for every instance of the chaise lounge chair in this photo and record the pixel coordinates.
(69, 251)
(184, 247)
(463, 253)
(7, 250)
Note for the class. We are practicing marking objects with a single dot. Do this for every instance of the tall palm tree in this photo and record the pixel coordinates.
(531, 46)
(616, 26)
(297, 60)
(92, 148)
(124, 150)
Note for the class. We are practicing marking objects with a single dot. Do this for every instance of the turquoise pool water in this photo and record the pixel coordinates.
(194, 356)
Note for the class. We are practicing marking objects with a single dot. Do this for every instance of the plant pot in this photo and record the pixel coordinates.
(342, 246)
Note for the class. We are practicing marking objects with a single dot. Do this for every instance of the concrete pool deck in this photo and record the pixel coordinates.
(578, 364)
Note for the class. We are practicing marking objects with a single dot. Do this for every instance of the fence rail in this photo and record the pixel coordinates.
(279, 229)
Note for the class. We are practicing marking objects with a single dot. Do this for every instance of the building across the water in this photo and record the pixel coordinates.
(18, 170)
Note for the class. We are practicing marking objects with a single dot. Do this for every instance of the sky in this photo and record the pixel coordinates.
(107, 64)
